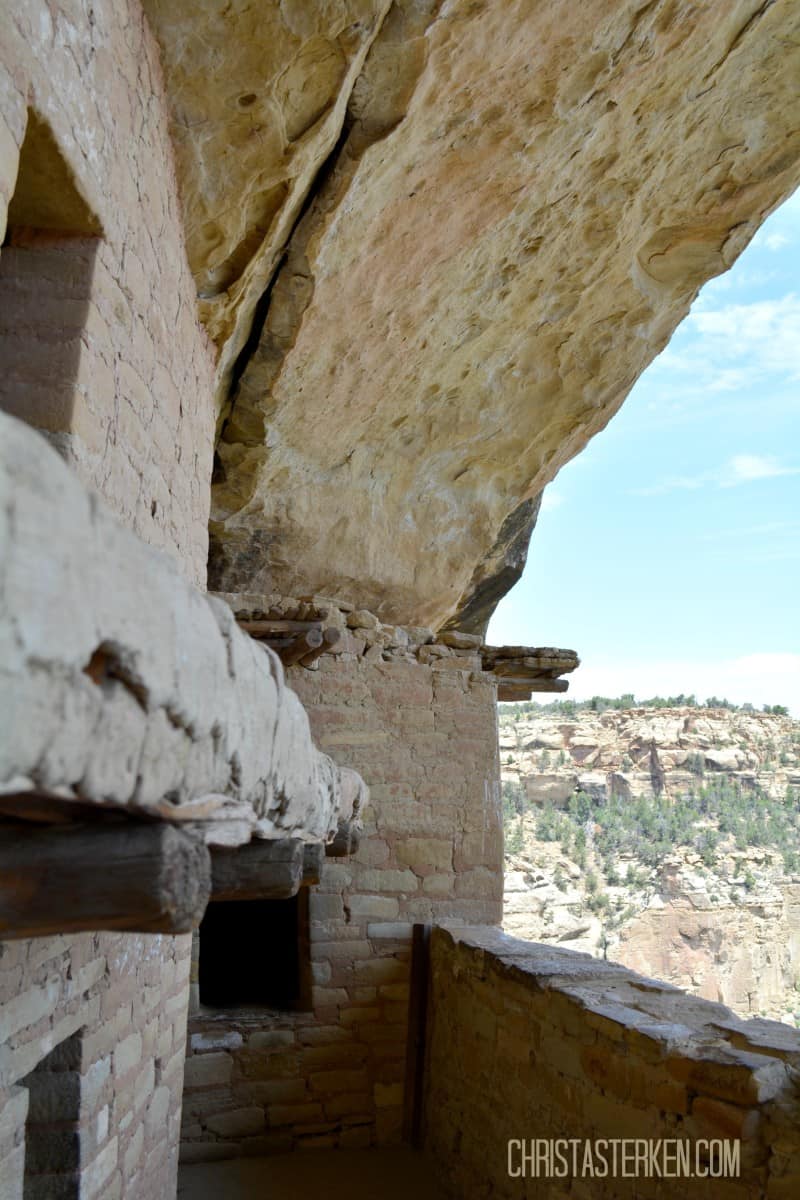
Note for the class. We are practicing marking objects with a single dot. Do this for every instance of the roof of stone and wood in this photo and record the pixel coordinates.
(142, 733)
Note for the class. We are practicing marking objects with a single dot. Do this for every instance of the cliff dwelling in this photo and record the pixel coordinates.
(301, 307)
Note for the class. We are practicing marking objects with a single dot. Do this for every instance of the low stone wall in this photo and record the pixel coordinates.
(92, 1037)
(533, 1042)
(424, 738)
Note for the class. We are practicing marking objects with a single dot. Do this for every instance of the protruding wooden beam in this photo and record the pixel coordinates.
(303, 645)
(519, 689)
(330, 638)
(260, 870)
(345, 840)
(313, 859)
(267, 627)
(114, 875)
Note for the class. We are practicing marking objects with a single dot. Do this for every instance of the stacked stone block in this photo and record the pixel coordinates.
(92, 1042)
(141, 415)
(532, 1041)
(138, 428)
(423, 735)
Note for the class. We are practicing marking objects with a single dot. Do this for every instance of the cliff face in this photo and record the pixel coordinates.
(435, 243)
(593, 862)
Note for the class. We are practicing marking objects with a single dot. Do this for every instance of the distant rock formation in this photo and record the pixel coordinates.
(723, 924)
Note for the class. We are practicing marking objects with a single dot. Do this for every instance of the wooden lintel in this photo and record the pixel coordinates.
(330, 638)
(259, 870)
(345, 840)
(550, 685)
(303, 645)
(313, 859)
(519, 689)
(507, 692)
(113, 875)
(264, 628)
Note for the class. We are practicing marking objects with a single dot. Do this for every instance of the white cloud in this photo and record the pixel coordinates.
(771, 239)
(765, 334)
(728, 353)
(741, 468)
(758, 678)
(744, 468)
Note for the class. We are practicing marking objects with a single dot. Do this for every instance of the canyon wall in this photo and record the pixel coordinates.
(718, 917)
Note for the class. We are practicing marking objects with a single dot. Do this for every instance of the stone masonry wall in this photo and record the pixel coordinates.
(424, 738)
(122, 315)
(108, 1128)
(143, 422)
(530, 1041)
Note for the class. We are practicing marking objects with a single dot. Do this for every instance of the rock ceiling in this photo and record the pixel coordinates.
(436, 244)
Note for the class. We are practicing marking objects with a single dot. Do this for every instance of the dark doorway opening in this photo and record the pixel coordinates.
(255, 953)
(52, 1130)
(47, 264)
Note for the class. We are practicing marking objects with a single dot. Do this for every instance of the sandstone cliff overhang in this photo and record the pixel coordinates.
(123, 689)
(436, 244)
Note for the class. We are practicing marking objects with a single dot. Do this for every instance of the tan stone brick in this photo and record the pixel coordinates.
(207, 1070)
(425, 855)
(128, 1054)
(388, 1094)
(324, 997)
(374, 881)
(715, 1119)
(240, 1122)
(336, 1054)
(358, 1015)
(347, 950)
(384, 908)
(381, 970)
(350, 1103)
(439, 885)
(294, 1114)
(333, 1082)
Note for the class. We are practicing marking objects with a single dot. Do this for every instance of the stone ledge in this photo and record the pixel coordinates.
(661, 1018)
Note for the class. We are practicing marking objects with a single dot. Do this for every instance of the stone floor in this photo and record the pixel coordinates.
(395, 1173)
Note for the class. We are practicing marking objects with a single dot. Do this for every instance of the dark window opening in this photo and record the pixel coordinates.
(255, 953)
(47, 264)
(52, 1129)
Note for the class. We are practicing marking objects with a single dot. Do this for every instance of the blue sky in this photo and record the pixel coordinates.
(668, 552)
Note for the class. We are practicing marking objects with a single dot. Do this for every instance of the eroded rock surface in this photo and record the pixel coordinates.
(520, 208)
(258, 97)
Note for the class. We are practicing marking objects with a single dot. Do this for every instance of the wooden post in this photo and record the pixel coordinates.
(330, 638)
(345, 841)
(259, 870)
(110, 875)
(414, 1091)
(301, 647)
(313, 860)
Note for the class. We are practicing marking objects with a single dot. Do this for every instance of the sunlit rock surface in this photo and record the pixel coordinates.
(722, 925)
(522, 202)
